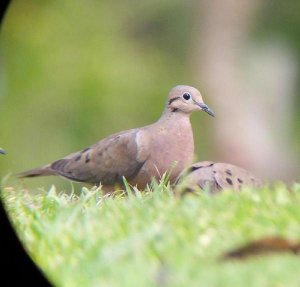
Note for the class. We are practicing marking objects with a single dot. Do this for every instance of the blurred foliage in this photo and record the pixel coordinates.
(282, 20)
(73, 72)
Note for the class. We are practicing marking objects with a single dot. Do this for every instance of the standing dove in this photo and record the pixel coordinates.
(2, 151)
(138, 154)
(216, 177)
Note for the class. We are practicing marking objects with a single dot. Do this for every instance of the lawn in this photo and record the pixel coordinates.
(156, 238)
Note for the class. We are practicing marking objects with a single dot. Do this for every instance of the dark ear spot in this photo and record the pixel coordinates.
(172, 100)
(240, 180)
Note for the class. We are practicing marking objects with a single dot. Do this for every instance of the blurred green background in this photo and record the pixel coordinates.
(73, 72)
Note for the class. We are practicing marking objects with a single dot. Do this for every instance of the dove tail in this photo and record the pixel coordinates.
(40, 171)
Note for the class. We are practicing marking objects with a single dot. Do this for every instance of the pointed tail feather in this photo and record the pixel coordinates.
(40, 171)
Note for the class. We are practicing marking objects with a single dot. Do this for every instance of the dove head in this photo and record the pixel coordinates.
(186, 99)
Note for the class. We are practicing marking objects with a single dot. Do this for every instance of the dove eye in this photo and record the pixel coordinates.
(187, 96)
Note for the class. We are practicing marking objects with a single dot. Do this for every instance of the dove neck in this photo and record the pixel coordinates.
(174, 116)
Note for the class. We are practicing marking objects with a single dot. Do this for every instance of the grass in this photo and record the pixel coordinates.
(156, 238)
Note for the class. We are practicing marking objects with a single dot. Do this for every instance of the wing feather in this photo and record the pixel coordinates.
(106, 161)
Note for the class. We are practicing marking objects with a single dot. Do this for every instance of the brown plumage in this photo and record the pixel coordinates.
(216, 177)
(137, 154)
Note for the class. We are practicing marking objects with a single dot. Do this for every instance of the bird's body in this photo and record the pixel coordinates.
(138, 154)
(217, 176)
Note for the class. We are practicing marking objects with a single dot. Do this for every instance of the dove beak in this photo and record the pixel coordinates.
(2, 151)
(205, 108)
